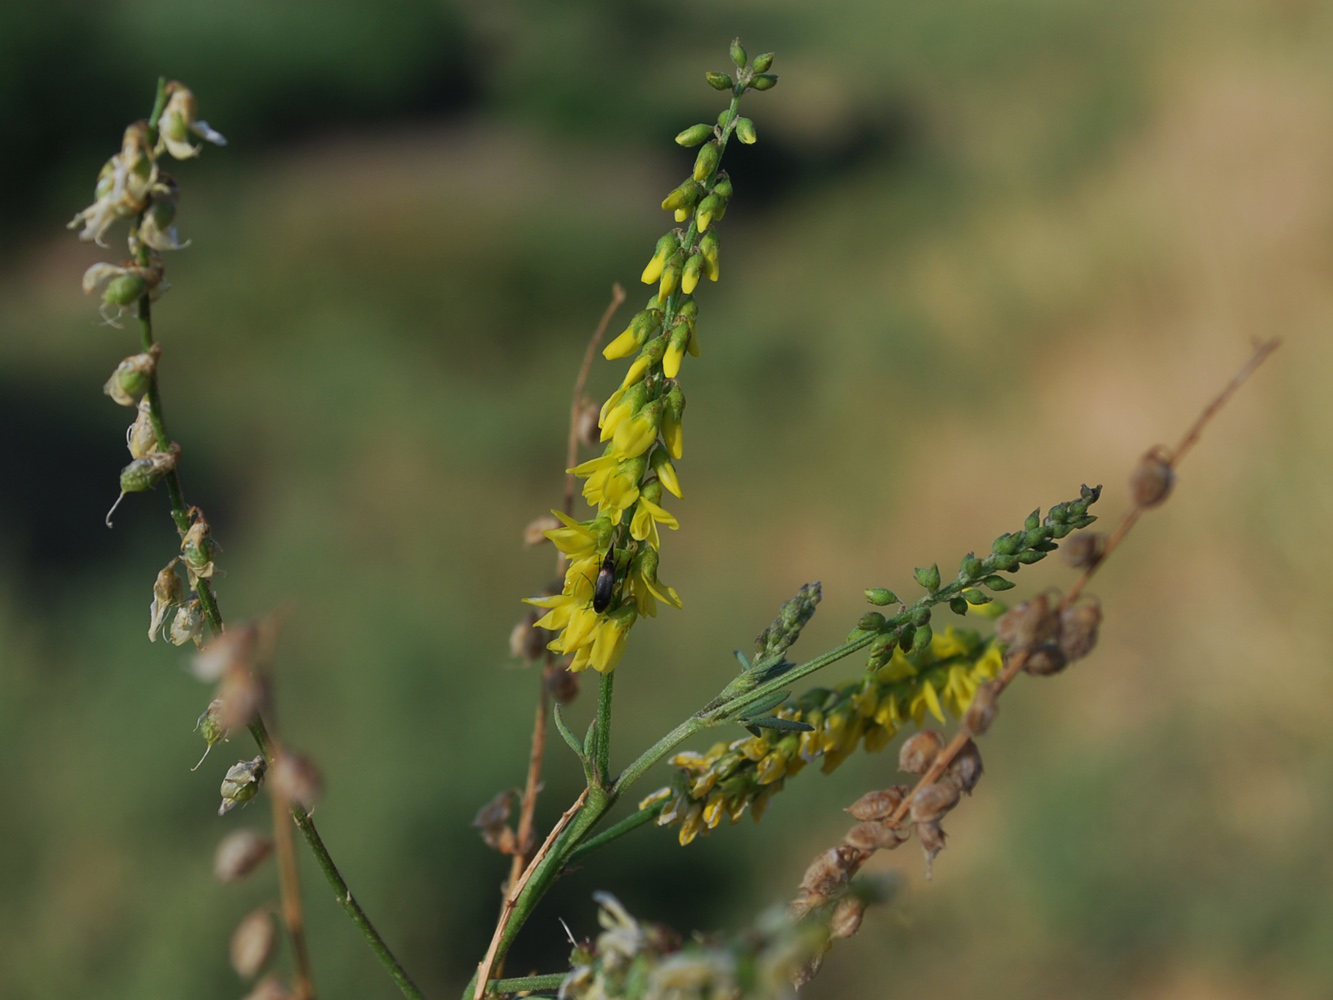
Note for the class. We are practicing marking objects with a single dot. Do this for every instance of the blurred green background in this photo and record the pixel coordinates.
(984, 251)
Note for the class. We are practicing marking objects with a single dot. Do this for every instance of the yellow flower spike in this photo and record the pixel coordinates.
(666, 472)
(666, 246)
(772, 767)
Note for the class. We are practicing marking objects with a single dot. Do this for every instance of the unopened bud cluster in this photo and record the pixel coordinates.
(746, 773)
(911, 627)
(612, 578)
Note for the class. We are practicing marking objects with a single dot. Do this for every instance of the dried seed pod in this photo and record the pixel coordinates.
(1078, 628)
(1045, 660)
(587, 422)
(167, 594)
(919, 752)
(1152, 479)
(296, 779)
(187, 625)
(824, 874)
(241, 783)
(981, 713)
(878, 805)
(965, 768)
(1084, 550)
(932, 839)
(871, 836)
(933, 802)
(563, 683)
(233, 647)
(534, 533)
(1029, 624)
(241, 696)
(252, 942)
(846, 918)
(239, 854)
(526, 641)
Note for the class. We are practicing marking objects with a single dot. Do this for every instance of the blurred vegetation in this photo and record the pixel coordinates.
(984, 251)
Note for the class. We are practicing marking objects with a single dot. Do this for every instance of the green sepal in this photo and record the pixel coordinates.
(740, 658)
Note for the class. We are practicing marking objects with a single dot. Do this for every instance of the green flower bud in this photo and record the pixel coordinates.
(929, 578)
(723, 188)
(998, 583)
(762, 62)
(694, 135)
(1029, 556)
(706, 162)
(1006, 545)
(745, 131)
(241, 783)
(124, 289)
(921, 640)
(871, 621)
(1033, 520)
(971, 567)
(764, 81)
(671, 276)
(719, 81)
(738, 53)
(880, 597)
(1007, 564)
(682, 197)
(973, 596)
(907, 636)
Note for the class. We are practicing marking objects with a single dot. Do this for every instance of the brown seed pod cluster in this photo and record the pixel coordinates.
(1049, 634)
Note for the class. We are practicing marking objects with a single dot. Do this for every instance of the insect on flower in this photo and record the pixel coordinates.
(606, 580)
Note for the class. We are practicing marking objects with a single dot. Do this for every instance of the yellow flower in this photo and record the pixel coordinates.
(612, 486)
(635, 436)
(578, 539)
(608, 644)
(647, 516)
(665, 471)
(643, 586)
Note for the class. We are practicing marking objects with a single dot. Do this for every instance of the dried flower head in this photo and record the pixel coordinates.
(1152, 479)
(132, 377)
(252, 942)
(296, 779)
(167, 593)
(1046, 660)
(1078, 628)
(535, 531)
(180, 120)
(241, 783)
(919, 752)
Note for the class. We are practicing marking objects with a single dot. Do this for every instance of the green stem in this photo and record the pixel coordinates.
(551, 982)
(602, 737)
(353, 909)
